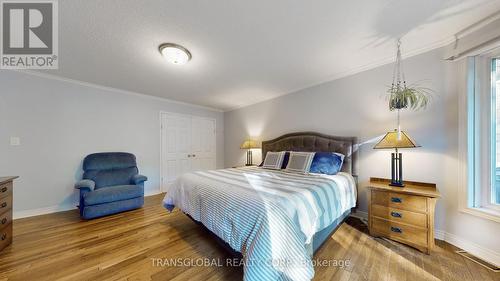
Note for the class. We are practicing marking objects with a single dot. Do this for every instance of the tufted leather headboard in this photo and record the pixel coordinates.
(311, 141)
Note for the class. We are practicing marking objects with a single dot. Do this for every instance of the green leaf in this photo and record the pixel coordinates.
(413, 97)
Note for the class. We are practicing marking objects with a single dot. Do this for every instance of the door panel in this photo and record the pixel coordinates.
(172, 169)
(175, 147)
(203, 148)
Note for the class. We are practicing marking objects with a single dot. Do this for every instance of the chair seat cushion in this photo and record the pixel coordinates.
(112, 194)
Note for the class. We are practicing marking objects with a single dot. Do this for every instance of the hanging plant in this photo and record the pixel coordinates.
(413, 97)
(401, 96)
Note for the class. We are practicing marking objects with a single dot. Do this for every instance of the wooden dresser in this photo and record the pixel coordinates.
(6, 211)
(404, 214)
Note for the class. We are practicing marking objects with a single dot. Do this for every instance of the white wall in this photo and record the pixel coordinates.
(355, 106)
(59, 122)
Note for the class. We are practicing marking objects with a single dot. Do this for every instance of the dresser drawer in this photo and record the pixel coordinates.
(5, 205)
(5, 219)
(399, 201)
(5, 189)
(5, 236)
(398, 215)
(399, 231)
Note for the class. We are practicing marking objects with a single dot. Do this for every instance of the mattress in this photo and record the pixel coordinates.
(270, 216)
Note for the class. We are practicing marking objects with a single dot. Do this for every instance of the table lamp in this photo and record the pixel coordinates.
(249, 145)
(396, 139)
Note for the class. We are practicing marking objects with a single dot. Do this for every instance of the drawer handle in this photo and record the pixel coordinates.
(4, 204)
(4, 189)
(4, 220)
(4, 236)
(396, 229)
(396, 200)
(396, 215)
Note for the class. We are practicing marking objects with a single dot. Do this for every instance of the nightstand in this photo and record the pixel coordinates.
(404, 214)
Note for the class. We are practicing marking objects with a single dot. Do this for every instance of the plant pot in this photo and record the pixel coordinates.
(398, 103)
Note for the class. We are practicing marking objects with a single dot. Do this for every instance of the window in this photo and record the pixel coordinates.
(483, 135)
(495, 92)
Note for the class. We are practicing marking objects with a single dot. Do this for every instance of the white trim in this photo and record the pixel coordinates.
(339, 75)
(60, 208)
(111, 89)
(477, 67)
(390, 59)
(476, 39)
(360, 215)
(484, 213)
(448, 42)
(369, 66)
(356, 70)
(473, 248)
(329, 78)
(43, 211)
(462, 185)
(478, 25)
(153, 193)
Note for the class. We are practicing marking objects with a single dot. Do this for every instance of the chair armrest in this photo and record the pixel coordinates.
(137, 179)
(85, 185)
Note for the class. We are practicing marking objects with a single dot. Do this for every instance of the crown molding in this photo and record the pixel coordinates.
(111, 89)
(478, 25)
(339, 75)
(360, 69)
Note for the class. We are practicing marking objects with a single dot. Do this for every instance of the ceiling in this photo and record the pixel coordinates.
(245, 52)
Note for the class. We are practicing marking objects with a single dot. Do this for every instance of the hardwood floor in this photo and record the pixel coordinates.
(122, 247)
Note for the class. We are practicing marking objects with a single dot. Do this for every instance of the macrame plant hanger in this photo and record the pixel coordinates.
(398, 82)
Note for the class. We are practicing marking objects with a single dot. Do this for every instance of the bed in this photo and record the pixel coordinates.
(273, 219)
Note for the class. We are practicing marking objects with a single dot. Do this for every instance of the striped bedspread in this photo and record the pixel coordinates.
(269, 216)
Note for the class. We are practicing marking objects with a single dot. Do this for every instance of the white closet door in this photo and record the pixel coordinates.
(202, 144)
(187, 144)
(176, 146)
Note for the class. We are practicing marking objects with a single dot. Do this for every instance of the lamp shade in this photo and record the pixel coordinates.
(249, 144)
(390, 140)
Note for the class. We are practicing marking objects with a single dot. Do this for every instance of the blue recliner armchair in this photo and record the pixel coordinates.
(111, 184)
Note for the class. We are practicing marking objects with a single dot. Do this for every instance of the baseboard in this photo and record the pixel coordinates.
(153, 192)
(439, 234)
(360, 215)
(43, 211)
(471, 247)
(59, 208)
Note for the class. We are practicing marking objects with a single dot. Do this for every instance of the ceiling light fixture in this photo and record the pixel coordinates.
(174, 53)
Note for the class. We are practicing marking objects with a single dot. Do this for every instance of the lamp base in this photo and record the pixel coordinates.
(398, 184)
(397, 169)
(249, 158)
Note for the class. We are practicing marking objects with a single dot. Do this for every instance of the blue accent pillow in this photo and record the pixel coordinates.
(286, 158)
(328, 163)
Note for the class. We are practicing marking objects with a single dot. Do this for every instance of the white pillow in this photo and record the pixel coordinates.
(273, 160)
(300, 161)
